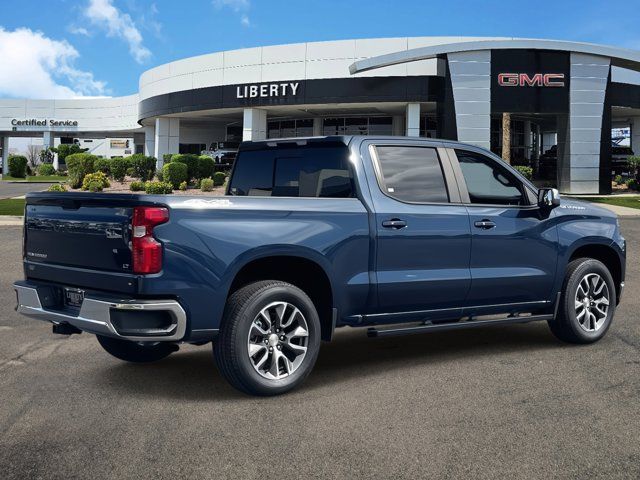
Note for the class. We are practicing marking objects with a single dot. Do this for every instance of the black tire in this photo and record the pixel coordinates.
(136, 352)
(231, 349)
(566, 326)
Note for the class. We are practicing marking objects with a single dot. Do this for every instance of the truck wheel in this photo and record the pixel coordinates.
(269, 338)
(587, 302)
(136, 352)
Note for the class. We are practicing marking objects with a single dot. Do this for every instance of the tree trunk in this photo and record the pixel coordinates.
(506, 137)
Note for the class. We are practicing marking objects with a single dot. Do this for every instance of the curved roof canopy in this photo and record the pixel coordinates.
(620, 57)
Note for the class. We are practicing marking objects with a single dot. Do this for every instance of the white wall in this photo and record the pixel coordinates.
(299, 61)
(96, 114)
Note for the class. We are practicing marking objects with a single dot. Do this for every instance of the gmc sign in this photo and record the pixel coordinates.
(535, 80)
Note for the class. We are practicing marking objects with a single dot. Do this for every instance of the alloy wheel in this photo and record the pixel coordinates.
(277, 340)
(592, 302)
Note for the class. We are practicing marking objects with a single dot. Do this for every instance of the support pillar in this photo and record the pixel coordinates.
(413, 120)
(5, 156)
(318, 126)
(166, 138)
(397, 125)
(149, 141)
(254, 126)
(635, 135)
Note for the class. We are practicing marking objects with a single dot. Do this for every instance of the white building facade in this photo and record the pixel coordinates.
(563, 99)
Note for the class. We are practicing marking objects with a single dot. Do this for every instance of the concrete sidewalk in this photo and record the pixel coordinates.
(11, 221)
(621, 211)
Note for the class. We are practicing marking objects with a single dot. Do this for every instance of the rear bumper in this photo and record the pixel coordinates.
(97, 315)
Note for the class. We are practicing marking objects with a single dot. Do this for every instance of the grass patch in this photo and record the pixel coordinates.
(37, 178)
(631, 202)
(12, 206)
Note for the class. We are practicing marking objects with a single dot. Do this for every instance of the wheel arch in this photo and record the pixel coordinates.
(300, 268)
(604, 253)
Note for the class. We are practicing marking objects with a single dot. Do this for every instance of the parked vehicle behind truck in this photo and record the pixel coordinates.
(401, 235)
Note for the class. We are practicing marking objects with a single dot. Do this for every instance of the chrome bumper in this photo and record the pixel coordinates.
(95, 315)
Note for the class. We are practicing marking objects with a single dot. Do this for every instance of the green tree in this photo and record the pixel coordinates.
(66, 149)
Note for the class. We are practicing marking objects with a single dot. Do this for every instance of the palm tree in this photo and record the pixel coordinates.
(506, 137)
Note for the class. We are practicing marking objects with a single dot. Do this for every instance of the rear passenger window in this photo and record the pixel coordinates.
(293, 171)
(412, 174)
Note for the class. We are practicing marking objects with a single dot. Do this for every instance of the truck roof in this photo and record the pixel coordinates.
(344, 139)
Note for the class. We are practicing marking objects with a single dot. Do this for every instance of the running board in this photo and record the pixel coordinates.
(430, 327)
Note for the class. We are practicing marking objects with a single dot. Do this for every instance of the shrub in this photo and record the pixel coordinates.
(634, 164)
(158, 188)
(219, 178)
(130, 171)
(618, 179)
(119, 167)
(191, 161)
(206, 166)
(46, 169)
(183, 186)
(79, 165)
(137, 186)
(18, 166)
(206, 184)
(526, 172)
(58, 187)
(95, 182)
(102, 165)
(632, 184)
(175, 173)
(160, 175)
(143, 167)
(166, 158)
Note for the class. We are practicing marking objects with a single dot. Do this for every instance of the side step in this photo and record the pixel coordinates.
(430, 327)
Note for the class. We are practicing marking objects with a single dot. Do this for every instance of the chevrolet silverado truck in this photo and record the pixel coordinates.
(400, 235)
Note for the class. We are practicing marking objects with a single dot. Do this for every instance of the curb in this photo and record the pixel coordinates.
(11, 221)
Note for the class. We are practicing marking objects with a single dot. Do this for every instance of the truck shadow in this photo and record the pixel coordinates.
(192, 375)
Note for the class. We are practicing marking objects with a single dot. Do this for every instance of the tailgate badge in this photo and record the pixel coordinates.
(37, 255)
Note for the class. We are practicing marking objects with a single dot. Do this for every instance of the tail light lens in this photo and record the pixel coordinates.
(146, 250)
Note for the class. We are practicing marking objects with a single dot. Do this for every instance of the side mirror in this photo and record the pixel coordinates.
(548, 197)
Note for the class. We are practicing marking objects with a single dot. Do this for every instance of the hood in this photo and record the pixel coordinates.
(569, 205)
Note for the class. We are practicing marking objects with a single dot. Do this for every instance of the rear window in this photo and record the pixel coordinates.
(293, 171)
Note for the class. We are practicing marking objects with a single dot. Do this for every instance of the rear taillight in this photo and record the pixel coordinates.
(146, 250)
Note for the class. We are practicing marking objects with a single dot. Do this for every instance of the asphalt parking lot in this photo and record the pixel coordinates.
(509, 402)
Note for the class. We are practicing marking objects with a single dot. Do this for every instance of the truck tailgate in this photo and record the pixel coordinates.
(72, 231)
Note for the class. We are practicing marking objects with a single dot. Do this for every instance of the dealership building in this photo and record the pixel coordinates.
(563, 100)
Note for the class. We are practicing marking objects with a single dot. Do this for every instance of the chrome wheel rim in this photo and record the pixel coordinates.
(277, 341)
(592, 302)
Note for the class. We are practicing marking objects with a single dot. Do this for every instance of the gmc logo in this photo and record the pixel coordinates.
(537, 80)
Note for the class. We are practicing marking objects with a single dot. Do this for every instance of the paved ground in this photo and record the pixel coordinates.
(10, 190)
(493, 403)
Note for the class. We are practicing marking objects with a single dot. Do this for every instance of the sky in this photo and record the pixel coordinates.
(76, 48)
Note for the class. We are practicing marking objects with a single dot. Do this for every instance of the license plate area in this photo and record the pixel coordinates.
(73, 297)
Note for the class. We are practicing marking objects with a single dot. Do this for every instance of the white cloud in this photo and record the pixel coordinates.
(40, 67)
(238, 6)
(104, 15)
(78, 31)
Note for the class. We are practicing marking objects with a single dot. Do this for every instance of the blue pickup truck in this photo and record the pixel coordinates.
(400, 235)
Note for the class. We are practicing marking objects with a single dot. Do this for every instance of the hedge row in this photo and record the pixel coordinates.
(81, 164)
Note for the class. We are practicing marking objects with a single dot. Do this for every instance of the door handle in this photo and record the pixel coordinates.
(484, 224)
(394, 223)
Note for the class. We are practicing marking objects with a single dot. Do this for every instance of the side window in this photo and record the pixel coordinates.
(488, 182)
(316, 171)
(412, 174)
